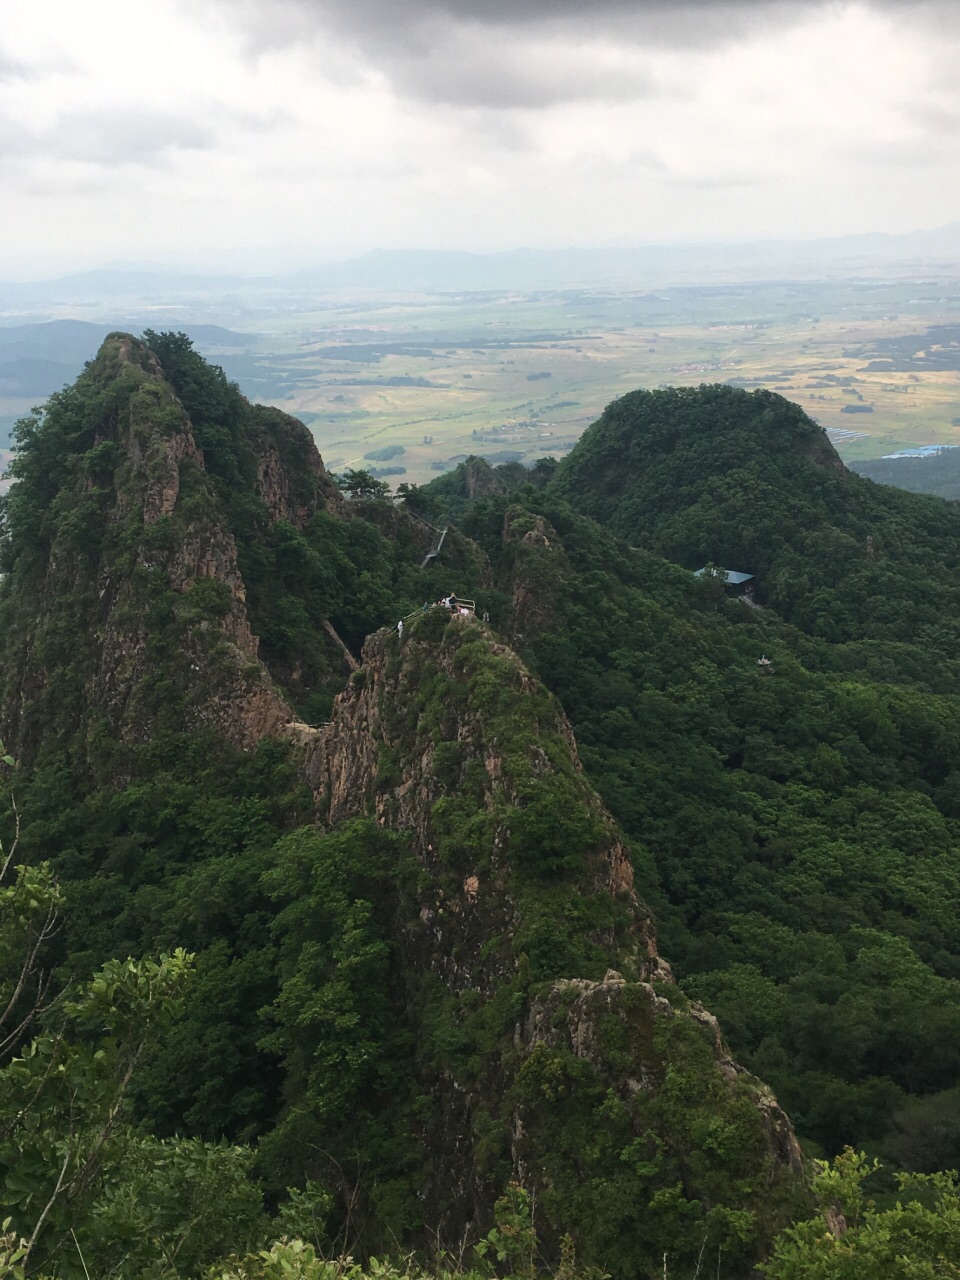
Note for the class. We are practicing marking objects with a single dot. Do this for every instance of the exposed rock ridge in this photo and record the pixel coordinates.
(448, 710)
(568, 1017)
(241, 701)
(532, 603)
(372, 717)
(156, 499)
(292, 482)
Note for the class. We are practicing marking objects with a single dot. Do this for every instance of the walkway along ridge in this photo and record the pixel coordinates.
(435, 548)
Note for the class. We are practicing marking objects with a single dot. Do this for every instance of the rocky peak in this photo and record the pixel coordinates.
(449, 709)
(292, 482)
(537, 563)
(480, 480)
(154, 456)
(525, 885)
(532, 530)
(131, 538)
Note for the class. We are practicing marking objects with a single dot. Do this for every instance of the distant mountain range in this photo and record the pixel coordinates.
(450, 270)
(416, 270)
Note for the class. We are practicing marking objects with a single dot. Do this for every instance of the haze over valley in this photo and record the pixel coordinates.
(511, 356)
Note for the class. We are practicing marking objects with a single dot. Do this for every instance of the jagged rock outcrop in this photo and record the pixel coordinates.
(292, 482)
(483, 481)
(535, 577)
(532, 744)
(126, 571)
(569, 1017)
(525, 886)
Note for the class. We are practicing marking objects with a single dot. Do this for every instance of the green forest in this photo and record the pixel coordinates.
(937, 471)
(327, 949)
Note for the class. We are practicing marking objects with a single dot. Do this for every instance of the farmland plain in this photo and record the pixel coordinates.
(518, 377)
(421, 379)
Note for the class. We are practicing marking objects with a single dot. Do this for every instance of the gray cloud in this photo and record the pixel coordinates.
(516, 13)
(935, 120)
(470, 72)
(420, 25)
(14, 69)
(398, 17)
(432, 51)
(495, 54)
(108, 138)
(14, 142)
(122, 137)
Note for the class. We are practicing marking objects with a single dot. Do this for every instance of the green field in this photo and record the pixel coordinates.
(520, 377)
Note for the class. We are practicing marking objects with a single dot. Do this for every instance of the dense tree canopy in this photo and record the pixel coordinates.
(796, 832)
(795, 826)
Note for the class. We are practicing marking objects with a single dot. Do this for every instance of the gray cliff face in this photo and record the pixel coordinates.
(377, 719)
(228, 688)
(292, 482)
(449, 711)
(157, 582)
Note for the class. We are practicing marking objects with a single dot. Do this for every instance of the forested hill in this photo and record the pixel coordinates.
(417, 968)
(797, 829)
(937, 473)
(425, 1004)
(744, 480)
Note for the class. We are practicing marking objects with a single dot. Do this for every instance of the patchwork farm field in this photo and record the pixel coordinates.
(407, 385)
(408, 388)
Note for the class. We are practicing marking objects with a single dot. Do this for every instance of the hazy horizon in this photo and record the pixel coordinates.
(278, 260)
(239, 130)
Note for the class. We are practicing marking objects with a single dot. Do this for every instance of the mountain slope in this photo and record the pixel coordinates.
(748, 482)
(796, 832)
(937, 473)
(539, 1009)
(422, 969)
(118, 563)
(157, 528)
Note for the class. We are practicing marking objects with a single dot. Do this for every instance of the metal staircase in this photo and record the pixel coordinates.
(435, 548)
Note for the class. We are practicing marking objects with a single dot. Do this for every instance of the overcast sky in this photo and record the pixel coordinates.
(181, 130)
